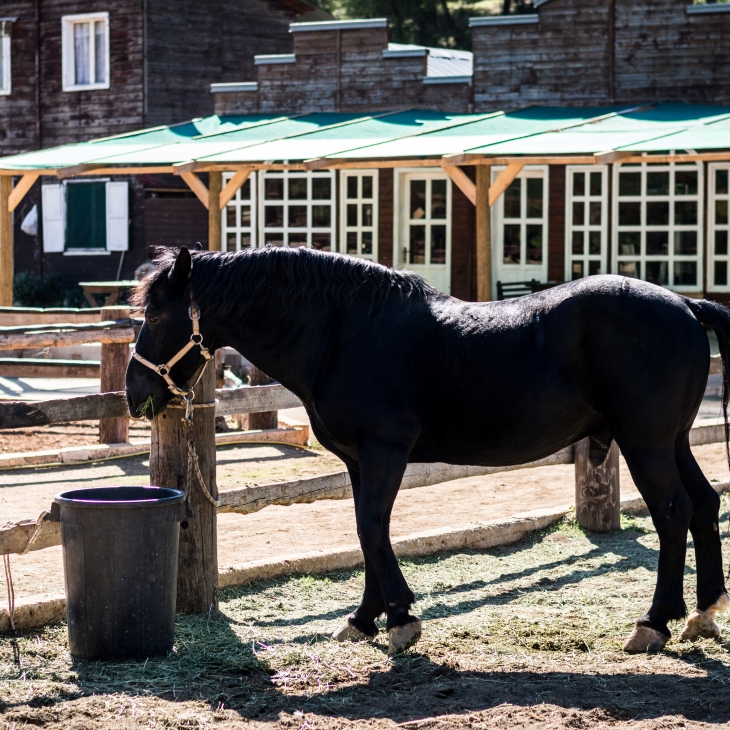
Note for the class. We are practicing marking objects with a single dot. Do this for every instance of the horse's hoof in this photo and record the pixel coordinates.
(348, 632)
(643, 639)
(702, 624)
(402, 638)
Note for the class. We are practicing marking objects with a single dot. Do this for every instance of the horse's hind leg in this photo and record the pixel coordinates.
(704, 526)
(657, 478)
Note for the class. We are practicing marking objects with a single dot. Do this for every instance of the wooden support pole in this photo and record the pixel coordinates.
(7, 265)
(215, 184)
(597, 492)
(268, 419)
(484, 234)
(114, 360)
(197, 581)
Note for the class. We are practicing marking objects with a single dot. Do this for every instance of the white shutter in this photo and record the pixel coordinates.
(54, 210)
(117, 216)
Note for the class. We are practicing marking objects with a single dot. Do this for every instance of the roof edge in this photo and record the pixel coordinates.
(363, 24)
(504, 20)
(232, 87)
(274, 58)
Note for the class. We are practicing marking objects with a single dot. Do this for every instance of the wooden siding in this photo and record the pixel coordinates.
(385, 217)
(556, 224)
(463, 242)
(178, 220)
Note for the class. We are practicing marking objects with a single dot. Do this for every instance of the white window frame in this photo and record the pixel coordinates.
(6, 81)
(643, 228)
(69, 56)
(713, 226)
(359, 229)
(309, 230)
(236, 202)
(586, 227)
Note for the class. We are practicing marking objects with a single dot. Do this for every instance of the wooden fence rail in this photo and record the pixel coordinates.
(10, 316)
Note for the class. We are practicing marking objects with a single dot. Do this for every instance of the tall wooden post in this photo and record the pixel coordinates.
(215, 183)
(597, 492)
(6, 243)
(114, 360)
(197, 581)
(484, 234)
(268, 419)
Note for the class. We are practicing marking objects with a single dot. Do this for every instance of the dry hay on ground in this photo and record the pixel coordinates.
(527, 635)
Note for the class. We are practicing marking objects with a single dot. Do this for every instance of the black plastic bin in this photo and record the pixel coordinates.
(120, 548)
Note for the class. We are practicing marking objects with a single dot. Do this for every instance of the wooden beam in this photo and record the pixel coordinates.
(597, 491)
(81, 170)
(484, 234)
(607, 158)
(232, 187)
(7, 265)
(214, 211)
(462, 181)
(114, 361)
(37, 367)
(254, 399)
(21, 316)
(64, 339)
(197, 186)
(504, 181)
(19, 191)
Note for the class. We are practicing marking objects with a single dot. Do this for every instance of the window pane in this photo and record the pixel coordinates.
(720, 273)
(721, 182)
(245, 191)
(629, 183)
(274, 239)
(418, 199)
(352, 213)
(274, 188)
(596, 183)
(298, 216)
(438, 199)
(321, 216)
(579, 186)
(367, 186)
(297, 188)
(231, 242)
(245, 216)
(721, 242)
(578, 213)
(657, 243)
(352, 240)
(512, 195)
(534, 197)
(685, 243)
(685, 273)
(657, 183)
(577, 270)
(685, 212)
(534, 244)
(629, 243)
(321, 241)
(578, 243)
(657, 214)
(594, 215)
(511, 253)
(245, 240)
(657, 272)
(2, 64)
(367, 214)
(100, 52)
(82, 50)
(438, 243)
(231, 216)
(418, 242)
(352, 188)
(629, 214)
(321, 189)
(721, 211)
(685, 182)
(594, 243)
(297, 240)
(629, 268)
(594, 268)
(367, 242)
(274, 216)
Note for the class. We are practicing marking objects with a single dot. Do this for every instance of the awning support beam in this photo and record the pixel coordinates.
(232, 187)
(504, 181)
(197, 186)
(20, 190)
(462, 181)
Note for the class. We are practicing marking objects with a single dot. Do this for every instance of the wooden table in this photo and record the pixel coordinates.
(113, 288)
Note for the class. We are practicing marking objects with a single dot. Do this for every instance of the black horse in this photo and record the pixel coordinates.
(604, 357)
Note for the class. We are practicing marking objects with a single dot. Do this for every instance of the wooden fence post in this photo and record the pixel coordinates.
(114, 359)
(268, 419)
(484, 234)
(597, 493)
(6, 242)
(197, 581)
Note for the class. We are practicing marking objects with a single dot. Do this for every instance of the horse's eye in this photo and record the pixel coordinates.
(150, 319)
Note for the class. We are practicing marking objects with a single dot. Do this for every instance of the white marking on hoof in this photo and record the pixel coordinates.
(347, 632)
(643, 639)
(702, 624)
(403, 637)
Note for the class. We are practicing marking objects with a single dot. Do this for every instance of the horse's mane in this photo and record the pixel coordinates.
(226, 282)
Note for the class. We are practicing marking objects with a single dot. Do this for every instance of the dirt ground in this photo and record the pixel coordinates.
(523, 636)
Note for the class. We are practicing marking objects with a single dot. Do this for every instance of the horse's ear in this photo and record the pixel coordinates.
(198, 246)
(180, 272)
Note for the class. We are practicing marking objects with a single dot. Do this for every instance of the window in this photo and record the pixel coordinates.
(239, 216)
(5, 66)
(359, 217)
(586, 221)
(297, 209)
(658, 224)
(85, 52)
(85, 217)
(718, 228)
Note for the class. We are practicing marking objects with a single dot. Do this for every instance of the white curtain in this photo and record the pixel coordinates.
(100, 52)
(82, 50)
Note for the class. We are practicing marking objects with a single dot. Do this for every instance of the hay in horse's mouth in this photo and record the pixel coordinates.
(149, 404)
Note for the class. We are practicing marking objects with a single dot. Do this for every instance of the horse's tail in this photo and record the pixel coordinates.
(716, 316)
